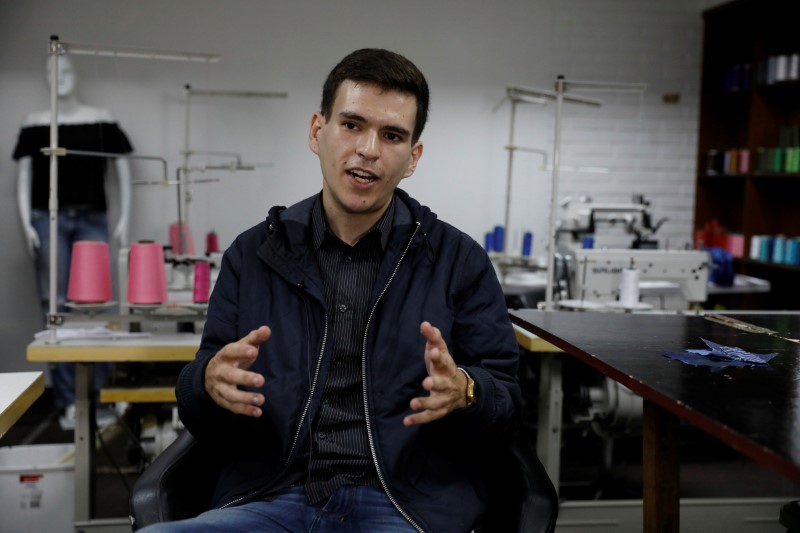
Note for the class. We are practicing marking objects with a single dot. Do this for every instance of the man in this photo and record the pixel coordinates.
(358, 360)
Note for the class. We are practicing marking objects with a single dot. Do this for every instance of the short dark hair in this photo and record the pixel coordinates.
(388, 70)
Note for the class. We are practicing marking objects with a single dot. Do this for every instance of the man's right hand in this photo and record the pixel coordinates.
(228, 369)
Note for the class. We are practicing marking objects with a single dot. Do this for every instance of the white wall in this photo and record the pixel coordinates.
(470, 50)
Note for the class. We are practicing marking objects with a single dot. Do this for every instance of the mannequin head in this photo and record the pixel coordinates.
(66, 75)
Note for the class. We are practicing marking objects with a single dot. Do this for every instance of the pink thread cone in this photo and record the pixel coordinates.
(89, 273)
(202, 281)
(147, 281)
(175, 239)
(212, 242)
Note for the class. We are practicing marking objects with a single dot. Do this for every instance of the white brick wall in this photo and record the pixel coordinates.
(648, 147)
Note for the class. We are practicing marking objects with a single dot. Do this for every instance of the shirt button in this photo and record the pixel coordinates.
(342, 308)
(322, 435)
(348, 259)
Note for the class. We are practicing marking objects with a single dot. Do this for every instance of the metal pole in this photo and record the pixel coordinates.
(183, 215)
(511, 148)
(55, 50)
(551, 243)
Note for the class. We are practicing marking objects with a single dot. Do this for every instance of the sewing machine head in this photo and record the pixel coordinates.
(596, 274)
(581, 217)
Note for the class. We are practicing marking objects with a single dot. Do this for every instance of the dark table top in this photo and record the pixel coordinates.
(755, 410)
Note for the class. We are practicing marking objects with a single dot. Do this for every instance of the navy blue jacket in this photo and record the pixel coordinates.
(430, 271)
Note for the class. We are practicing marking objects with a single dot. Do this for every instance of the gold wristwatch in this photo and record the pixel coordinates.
(470, 395)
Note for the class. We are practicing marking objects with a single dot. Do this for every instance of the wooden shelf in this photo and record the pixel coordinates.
(742, 112)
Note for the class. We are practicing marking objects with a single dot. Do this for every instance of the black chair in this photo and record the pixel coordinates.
(179, 482)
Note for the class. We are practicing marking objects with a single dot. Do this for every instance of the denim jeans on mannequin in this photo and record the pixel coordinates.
(351, 509)
(73, 225)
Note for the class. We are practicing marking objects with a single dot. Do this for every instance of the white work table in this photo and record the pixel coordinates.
(18, 391)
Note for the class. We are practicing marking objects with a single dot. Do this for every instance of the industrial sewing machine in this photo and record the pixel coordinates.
(582, 218)
(668, 279)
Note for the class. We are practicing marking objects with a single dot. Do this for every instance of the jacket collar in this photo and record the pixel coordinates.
(287, 247)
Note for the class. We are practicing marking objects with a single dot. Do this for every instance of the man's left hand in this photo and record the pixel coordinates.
(446, 384)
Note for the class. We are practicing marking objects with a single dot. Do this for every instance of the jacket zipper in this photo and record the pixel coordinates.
(302, 416)
(370, 438)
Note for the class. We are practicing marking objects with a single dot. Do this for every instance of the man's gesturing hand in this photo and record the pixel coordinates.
(446, 384)
(228, 369)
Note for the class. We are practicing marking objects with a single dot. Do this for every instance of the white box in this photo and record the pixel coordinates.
(37, 488)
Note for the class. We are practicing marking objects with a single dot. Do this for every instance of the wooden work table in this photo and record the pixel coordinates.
(157, 347)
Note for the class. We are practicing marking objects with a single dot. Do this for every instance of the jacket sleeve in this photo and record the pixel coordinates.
(198, 411)
(484, 344)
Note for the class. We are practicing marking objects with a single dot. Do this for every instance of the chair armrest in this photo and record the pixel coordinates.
(522, 498)
(178, 484)
(540, 507)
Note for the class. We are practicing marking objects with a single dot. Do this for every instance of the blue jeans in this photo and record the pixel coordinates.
(349, 510)
(73, 225)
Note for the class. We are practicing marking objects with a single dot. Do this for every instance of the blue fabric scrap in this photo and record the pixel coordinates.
(720, 356)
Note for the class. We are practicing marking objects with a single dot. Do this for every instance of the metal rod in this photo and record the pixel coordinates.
(100, 50)
(509, 175)
(55, 51)
(114, 155)
(551, 238)
(237, 94)
(184, 218)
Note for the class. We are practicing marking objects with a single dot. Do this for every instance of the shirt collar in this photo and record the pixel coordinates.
(319, 224)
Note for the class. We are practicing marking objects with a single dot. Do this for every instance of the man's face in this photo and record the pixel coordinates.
(364, 149)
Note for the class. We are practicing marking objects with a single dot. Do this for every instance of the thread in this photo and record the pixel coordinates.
(755, 246)
(499, 238)
(202, 282)
(488, 241)
(89, 273)
(181, 246)
(629, 287)
(147, 280)
(778, 249)
(212, 242)
(527, 244)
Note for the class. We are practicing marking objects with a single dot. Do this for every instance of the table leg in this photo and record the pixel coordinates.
(84, 441)
(548, 434)
(660, 470)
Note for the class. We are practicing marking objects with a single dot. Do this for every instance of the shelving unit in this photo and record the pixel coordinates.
(750, 105)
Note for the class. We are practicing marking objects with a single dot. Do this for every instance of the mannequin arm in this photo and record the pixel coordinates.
(24, 171)
(124, 176)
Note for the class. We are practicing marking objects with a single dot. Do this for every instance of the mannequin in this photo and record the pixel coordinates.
(82, 209)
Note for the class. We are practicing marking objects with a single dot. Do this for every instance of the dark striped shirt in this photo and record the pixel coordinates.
(339, 451)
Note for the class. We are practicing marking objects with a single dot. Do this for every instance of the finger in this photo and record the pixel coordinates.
(236, 376)
(433, 335)
(241, 408)
(233, 396)
(257, 336)
(431, 403)
(244, 352)
(440, 384)
(440, 363)
(423, 417)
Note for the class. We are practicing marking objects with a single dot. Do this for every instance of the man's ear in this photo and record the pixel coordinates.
(416, 153)
(317, 121)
